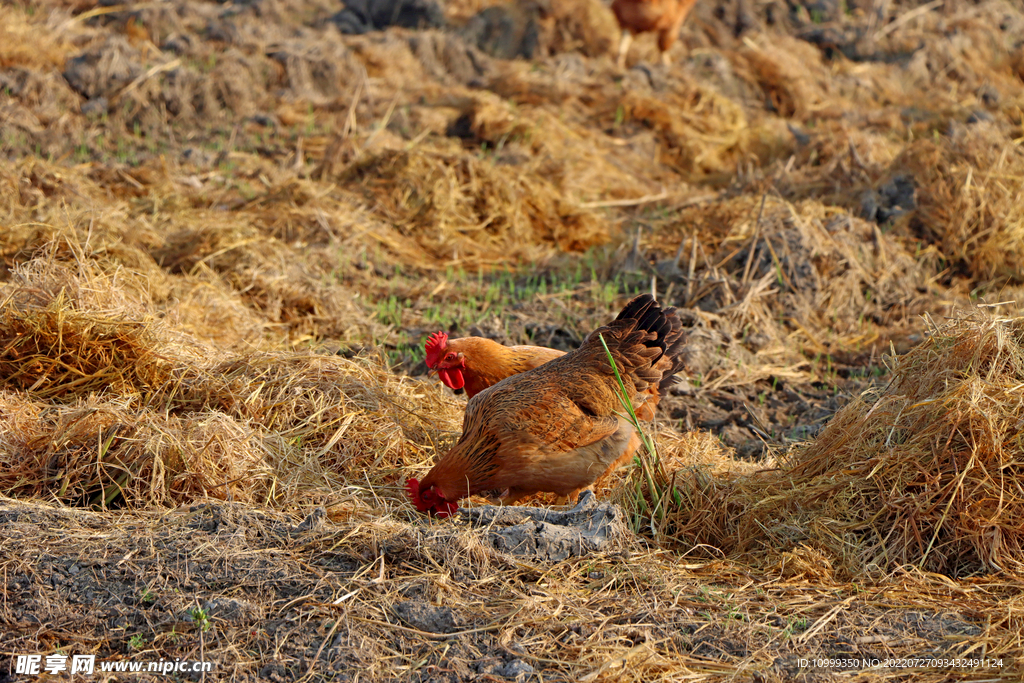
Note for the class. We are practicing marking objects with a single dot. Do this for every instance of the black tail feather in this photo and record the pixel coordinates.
(651, 317)
(675, 352)
(637, 307)
(667, 328)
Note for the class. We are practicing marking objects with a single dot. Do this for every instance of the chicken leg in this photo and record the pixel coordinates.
(624, 43)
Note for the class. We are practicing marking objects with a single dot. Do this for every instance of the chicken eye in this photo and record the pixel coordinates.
(450, 356)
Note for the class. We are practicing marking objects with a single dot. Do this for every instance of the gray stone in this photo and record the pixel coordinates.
(550, 534)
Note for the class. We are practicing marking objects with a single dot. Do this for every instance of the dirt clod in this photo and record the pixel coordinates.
(361, 16)
(424, 617)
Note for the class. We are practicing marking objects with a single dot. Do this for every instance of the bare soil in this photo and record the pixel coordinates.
(283, 601)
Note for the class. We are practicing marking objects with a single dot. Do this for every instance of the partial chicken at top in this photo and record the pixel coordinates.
(558, 428)
(664, 17)
(475, 363)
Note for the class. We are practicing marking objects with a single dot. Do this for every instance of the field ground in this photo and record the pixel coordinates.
(226, 229)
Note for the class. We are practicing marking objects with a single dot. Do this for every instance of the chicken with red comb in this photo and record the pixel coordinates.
(475, 363)
(664, 17)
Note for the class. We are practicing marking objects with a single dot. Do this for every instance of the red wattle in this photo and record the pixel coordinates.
(452, 378)
(446, 509)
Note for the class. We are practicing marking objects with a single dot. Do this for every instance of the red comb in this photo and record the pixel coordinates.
(446, 509)
(434, 347)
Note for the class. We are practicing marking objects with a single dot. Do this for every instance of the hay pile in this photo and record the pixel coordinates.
(925, 473)
(461, 209)
(928, 472)
(968, 202)
(105, 403)
(783, 289)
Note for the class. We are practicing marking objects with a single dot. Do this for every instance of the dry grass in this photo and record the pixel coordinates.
(22, 44)
(221, 197)
(922, 474)
(641, 615)
(148, 414)
(970, 189)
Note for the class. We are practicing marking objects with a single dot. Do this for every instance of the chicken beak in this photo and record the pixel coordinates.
(431, 372)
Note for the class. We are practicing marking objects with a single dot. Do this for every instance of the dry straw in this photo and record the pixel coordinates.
(107, 404)
(925, 473)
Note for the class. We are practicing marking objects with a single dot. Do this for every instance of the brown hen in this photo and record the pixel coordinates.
(557, 428)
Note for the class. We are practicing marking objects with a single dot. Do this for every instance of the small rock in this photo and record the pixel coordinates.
(802, 138)
(979, 115)
(751, 450)
(222, 32)
(200, 158)
(263, 120)
(178, 44)
(489, 665)
(205, 517)
(894, 198)
(757, 341)
(104, 69)
(989, 96)
(363, 16)
(313, 521)
(505, 31)
(516, 669)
